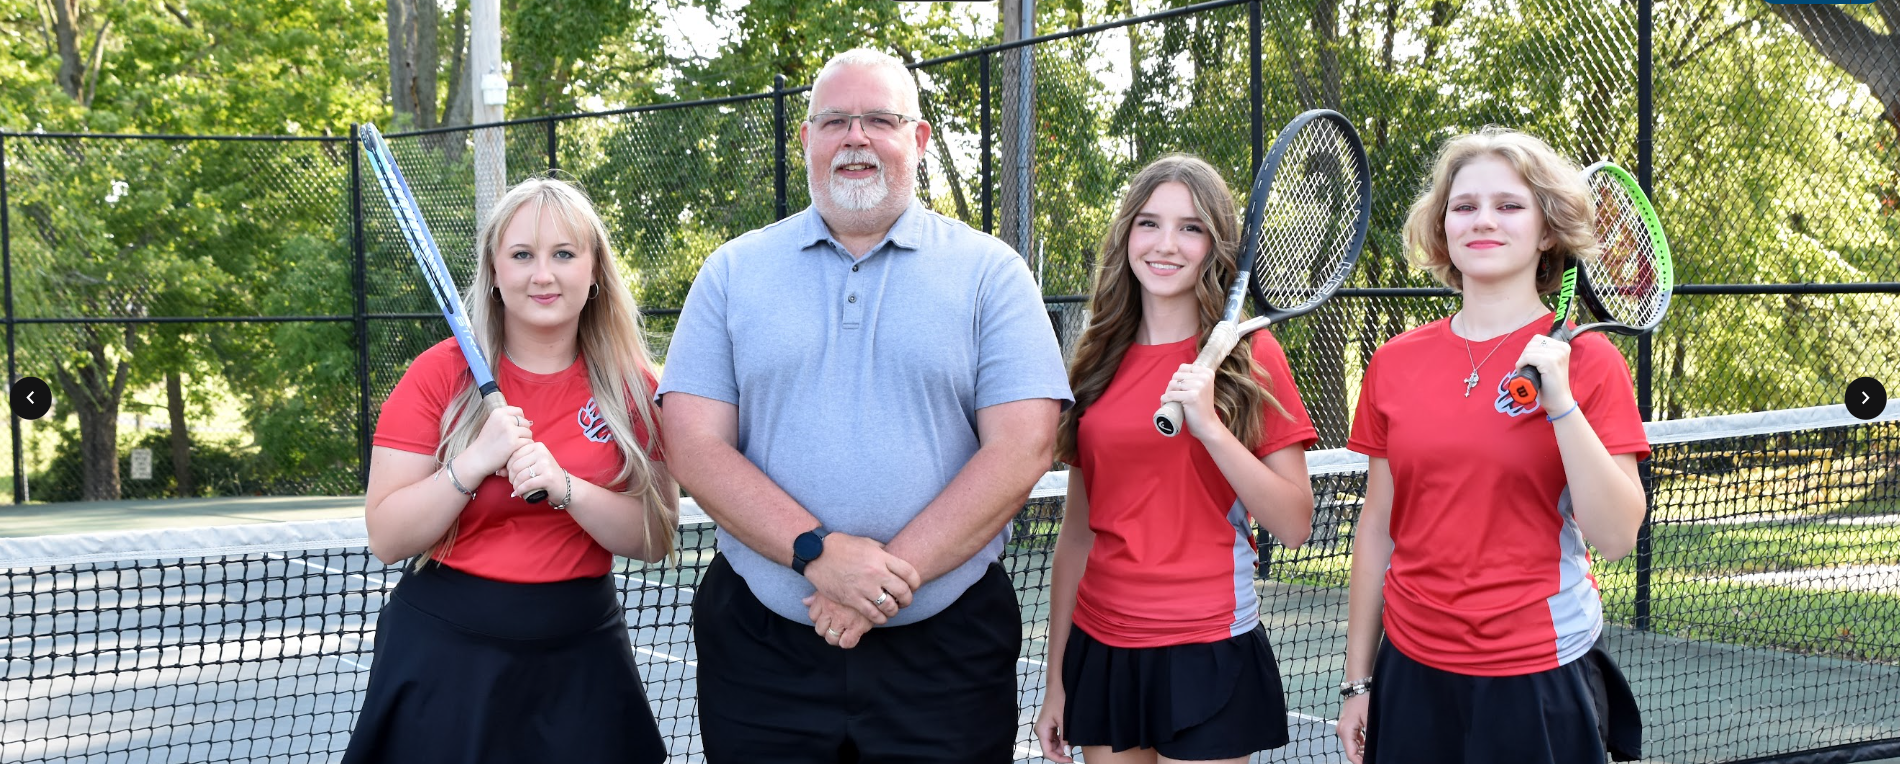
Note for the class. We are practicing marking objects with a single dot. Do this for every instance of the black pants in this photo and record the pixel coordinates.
(940, 690)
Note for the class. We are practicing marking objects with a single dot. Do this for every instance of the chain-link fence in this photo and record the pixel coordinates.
(261, 282)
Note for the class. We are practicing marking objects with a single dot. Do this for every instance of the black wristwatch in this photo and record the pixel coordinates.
(807, 547)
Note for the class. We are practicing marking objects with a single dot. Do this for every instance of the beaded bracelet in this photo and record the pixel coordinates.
(569, 499)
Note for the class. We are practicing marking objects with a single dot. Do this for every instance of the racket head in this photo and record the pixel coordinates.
(1629, 283)
(1307, 214)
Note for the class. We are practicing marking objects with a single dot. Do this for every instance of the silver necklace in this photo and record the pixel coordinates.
(1472, 380)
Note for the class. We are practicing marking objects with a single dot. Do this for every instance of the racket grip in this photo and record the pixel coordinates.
(1168, 418)
(1523, 385)
(496, 399)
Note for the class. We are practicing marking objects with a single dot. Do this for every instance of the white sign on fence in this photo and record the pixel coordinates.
(141, 464)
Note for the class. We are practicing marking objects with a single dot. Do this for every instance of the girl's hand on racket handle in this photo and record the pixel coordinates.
(1193, 387)
(1552, 359)
(1049, 724)
(505, 432)
(1352, 726)
(532, 467)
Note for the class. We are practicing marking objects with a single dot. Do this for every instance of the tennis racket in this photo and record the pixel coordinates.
(1306, 223)
(1627, 287)
(435, 272)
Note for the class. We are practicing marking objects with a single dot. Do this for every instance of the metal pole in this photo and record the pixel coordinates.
(989, 224)
(1259, 104)
(554, 145)
(6, 266)
(778, 153)
(1645, 351)
(1025, 133)
(359, 278)
(491, 153)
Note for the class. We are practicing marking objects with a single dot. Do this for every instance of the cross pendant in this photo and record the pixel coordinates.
(1471, 382)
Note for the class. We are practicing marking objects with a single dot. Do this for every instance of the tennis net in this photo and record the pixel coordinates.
(1758, 621)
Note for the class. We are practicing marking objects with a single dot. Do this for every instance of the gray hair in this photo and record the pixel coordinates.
(866, 58)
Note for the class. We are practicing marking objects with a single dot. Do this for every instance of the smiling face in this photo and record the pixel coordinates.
(1494, 228)
(861, 177)
(543, 269)
(1168, 243)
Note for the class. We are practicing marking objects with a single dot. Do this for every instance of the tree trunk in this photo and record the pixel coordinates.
(66, 31)
(1871, 57)
(95, 396)
(181, 440)
(402, 70)
(459, 106)
(427, 18)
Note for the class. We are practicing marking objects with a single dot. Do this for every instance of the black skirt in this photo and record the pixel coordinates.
(469, 670)
(1217, 700)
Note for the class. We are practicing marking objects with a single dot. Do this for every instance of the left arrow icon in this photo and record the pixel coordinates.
(31, 398)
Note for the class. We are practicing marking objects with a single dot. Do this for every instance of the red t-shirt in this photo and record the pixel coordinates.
(1489, 574)
(501, 537)
(1174, 555)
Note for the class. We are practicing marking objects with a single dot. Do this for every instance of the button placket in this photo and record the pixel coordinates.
(853, 301)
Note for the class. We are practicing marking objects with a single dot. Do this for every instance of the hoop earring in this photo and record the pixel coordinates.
(495, 294)
(593, 291)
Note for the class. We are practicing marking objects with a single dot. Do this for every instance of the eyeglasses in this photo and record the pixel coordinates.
(877, 124)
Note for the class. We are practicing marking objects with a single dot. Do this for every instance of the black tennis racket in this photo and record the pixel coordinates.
(1306, 223)
(435, 272)
(1627, 287)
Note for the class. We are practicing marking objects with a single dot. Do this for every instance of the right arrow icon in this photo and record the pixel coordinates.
(1866, 398)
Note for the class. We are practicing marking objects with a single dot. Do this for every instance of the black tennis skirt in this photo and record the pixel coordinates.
(1217, 700)
(469, 670)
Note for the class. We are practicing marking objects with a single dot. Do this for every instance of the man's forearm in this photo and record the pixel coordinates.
(738, 496)
(980, 500)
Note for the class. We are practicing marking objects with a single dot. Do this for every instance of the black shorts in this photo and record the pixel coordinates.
(1218, 700)
(1424, 715)
(939, 690)
(469, 669)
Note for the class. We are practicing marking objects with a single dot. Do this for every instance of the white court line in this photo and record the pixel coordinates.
(381, 584)
(1305, 718)
(1032, 662)
(645, 584)
(673, 658)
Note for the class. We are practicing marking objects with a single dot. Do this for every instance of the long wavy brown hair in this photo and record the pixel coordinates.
(1115, 305)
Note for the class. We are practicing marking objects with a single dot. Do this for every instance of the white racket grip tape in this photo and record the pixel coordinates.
(1220, 342)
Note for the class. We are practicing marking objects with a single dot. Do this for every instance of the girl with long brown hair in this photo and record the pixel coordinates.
(1156, 651)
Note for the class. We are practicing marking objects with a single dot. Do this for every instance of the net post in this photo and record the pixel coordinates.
(360, 318)
(6, 266)
(1645, 350)
(778, 152)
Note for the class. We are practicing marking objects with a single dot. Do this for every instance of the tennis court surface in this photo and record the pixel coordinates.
(1759, 622)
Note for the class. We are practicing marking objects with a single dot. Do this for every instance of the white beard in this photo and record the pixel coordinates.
(865, 204)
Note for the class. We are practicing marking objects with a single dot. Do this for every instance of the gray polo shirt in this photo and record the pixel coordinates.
(858, 382)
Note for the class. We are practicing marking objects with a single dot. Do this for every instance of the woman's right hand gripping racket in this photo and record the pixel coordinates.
(1306, 223)
(1627, 287)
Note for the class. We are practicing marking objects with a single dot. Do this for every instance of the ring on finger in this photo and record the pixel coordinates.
(881, 597)
(532, 473)
(833, 632)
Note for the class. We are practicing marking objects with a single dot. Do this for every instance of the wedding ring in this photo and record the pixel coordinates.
(833, 632)
(532, 473)
(881, 597)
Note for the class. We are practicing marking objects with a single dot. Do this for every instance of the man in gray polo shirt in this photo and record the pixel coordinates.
(861, 395)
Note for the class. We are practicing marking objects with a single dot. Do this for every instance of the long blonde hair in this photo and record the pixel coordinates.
(610, 338)
(1561, 193)
(1115, 304)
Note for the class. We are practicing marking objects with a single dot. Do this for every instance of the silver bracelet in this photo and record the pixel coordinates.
(569, 499)
(449, 467)
(1355, 687)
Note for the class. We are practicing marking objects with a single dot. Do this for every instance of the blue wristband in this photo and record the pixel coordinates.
(1573, 407)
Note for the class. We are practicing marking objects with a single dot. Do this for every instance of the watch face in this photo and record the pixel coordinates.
(808, 546)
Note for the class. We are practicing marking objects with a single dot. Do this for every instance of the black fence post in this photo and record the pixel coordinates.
(554, 146)
(1258, 126)
(983, 101)
(6, 265)
(360, 281)
(778, 154)
(1645, 351)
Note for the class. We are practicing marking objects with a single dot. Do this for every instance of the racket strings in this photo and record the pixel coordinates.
(1307, 223)
(1624, 276)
